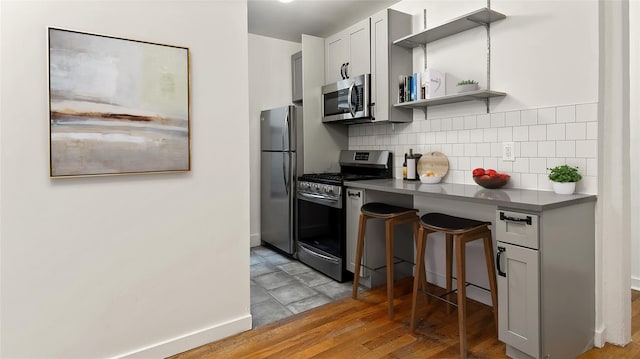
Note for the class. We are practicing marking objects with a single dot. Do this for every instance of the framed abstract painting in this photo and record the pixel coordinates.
(117, 106)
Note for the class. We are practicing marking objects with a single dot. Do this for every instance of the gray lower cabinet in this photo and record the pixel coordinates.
(546, 281)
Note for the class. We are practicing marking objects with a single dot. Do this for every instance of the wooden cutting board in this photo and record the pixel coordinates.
(433, 161)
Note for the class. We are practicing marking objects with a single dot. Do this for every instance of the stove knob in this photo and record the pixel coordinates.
(316, 187)
(328, 189)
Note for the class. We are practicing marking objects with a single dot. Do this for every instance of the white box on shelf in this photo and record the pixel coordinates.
(434, 82)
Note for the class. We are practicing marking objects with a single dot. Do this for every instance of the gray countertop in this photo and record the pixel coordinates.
(513, 198)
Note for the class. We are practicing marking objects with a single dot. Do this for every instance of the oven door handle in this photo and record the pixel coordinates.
(316, 254)
(319, 199)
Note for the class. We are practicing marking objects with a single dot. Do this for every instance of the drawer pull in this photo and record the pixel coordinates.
(498, 257)
(513, 219)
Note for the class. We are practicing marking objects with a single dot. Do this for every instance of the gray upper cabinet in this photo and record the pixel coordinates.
(296, 77)
(388, 62)
(348, 52)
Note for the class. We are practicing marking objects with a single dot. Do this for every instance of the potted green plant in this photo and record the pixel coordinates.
(467, 85)
(564, 178)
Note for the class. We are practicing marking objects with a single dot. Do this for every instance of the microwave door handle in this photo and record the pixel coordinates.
(351, 109)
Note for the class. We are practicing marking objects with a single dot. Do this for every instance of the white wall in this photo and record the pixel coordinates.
(634, 75)
(102, 267)
(269, 87)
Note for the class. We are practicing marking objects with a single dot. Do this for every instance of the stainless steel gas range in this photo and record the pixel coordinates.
(321, 210)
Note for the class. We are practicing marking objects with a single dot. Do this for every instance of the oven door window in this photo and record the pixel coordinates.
(321, 227)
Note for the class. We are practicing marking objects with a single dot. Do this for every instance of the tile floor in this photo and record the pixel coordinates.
(281, 286)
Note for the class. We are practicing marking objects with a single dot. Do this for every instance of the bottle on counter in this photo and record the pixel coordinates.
(411, 166)
(404, 167)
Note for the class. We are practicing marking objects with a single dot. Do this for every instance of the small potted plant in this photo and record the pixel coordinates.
(564, 179)
(467, 85)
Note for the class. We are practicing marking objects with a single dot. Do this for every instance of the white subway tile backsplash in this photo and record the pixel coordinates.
(484, 121)
(521, 165)
(538, 133)
(556, 132)
(458, 123)
(497, 119)
(490, 135)
(476, 135)
(577, 131)
(470, 122)
(546, 149)
(470, 149)
(446, 124)
(538, 165)
(464, 136)
(566, 114)
(547, 115)
(505, 134)
(587, 149)
(436, 125)
(529, 180)
(529, 149)
(483, 149)
(566, 148)
(452, 136)
(542, 138)
(512, 118)
(592, 131)
(587, 112)
(529, 117)
(457, 150)
(490, 162)
(591, 168)
(496, 149)
(521, 133)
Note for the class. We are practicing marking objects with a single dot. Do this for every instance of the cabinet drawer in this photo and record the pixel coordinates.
(517, 228)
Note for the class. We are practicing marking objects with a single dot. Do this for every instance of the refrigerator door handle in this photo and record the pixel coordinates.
(285, 129)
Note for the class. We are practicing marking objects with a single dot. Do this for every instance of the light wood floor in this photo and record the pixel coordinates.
(350, 328)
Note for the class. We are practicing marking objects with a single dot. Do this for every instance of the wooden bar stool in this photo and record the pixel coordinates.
(462, 231)
(392, 216)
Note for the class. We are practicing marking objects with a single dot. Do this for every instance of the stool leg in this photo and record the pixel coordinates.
(421, 244)
(362, 227)
(462, 295)
(389, 235)
(449, 264)
(416, 233)
(491, 272)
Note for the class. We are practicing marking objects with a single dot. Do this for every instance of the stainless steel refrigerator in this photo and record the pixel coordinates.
(280, 160)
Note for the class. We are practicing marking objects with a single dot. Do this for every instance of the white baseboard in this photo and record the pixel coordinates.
(635, 283)
(254, 240)
(598, 338)
(191, 340)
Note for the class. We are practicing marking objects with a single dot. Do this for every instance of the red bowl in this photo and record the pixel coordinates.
(491, 182)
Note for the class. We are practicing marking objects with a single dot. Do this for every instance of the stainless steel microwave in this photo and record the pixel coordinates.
(347, 101)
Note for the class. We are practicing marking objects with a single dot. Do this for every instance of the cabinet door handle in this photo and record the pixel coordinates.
(498, 258)
(342, 71)
(503, 217)
(353, 194)
(346, 70)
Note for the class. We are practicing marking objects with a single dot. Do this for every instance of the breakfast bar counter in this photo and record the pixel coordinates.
(513, 198)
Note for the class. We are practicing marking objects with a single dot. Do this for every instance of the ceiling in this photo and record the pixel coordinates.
(287, 21)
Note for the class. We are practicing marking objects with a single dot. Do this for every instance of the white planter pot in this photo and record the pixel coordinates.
(564, 187)
(467, 88)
